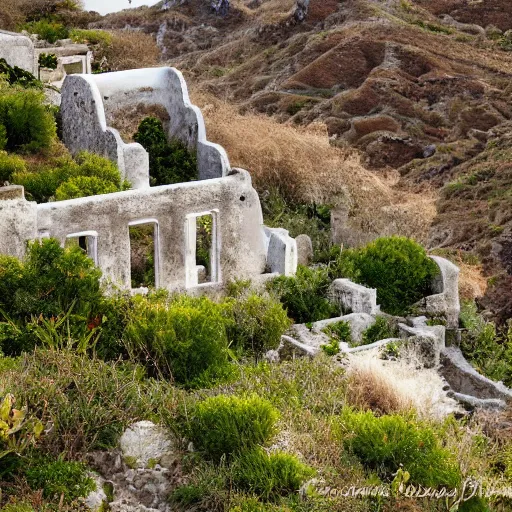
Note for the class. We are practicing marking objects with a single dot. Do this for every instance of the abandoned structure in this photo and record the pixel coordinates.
(240, 246)
(19, 50)
(71, 59)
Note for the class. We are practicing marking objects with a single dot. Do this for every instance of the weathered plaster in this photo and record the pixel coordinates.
(18, 50)
(86, 99)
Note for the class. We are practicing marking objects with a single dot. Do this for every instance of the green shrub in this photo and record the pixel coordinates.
(3, 137)
(489, 351)
(29, 124)
(227, 425)
(83, 186)
(259, 323)
(269, 476)
(94, 37)
(50, 281)
(18, 76)
(58, 478)
(339, 331)
(48, 60)
(382, 329)
(47, 30)
(387, 443)
(169, 162)
(397, 267)
(10, 164)
(304, 295)
(88, 174)
(184, 339)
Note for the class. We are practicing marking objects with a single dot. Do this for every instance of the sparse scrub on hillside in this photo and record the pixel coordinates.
(307, 170)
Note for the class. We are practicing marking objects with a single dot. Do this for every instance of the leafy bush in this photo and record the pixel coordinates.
(382, 329)
(397, 267)
(50, 281)
(28, 123)
(489, 351)
(17, 433)
(58, 478)
(18, 76)
(88, 174)
(48, 60)
(390, 442)
(169, 162)
(184, 339)
(10, 164)
(259, 322)
(82, 186)
(3, 137)
(339, 331)
(305, 295)
(269, 475)
(227, 425)
(47, 30)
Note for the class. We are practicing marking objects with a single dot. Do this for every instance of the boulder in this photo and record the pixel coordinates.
(304, 250)
(145, 444)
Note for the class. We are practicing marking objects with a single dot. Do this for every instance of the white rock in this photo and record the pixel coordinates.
(144, 442)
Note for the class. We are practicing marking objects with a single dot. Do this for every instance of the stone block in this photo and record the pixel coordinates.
(354, 298)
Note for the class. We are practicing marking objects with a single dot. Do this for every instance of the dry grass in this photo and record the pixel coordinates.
(397, 386)
(131, 50)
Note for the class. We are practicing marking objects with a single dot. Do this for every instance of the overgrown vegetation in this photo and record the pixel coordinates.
(67, 178)
(397, 267)
(305, 295)
(488, 350)
(169, 161)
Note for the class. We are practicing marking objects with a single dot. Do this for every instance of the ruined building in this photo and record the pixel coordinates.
(241, 246)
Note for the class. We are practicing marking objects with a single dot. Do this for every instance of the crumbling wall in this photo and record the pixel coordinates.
(87, 98)
(240, 240)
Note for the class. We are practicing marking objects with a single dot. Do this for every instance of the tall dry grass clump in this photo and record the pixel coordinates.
(132, 50)
(388, 387)
(299, 162)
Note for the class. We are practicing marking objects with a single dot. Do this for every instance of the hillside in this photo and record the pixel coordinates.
(418, 87)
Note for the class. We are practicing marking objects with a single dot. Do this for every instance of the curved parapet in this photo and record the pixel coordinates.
(445, 300)
(89, 100)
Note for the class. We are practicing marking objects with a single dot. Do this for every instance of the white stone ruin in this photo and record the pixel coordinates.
(241, 246)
